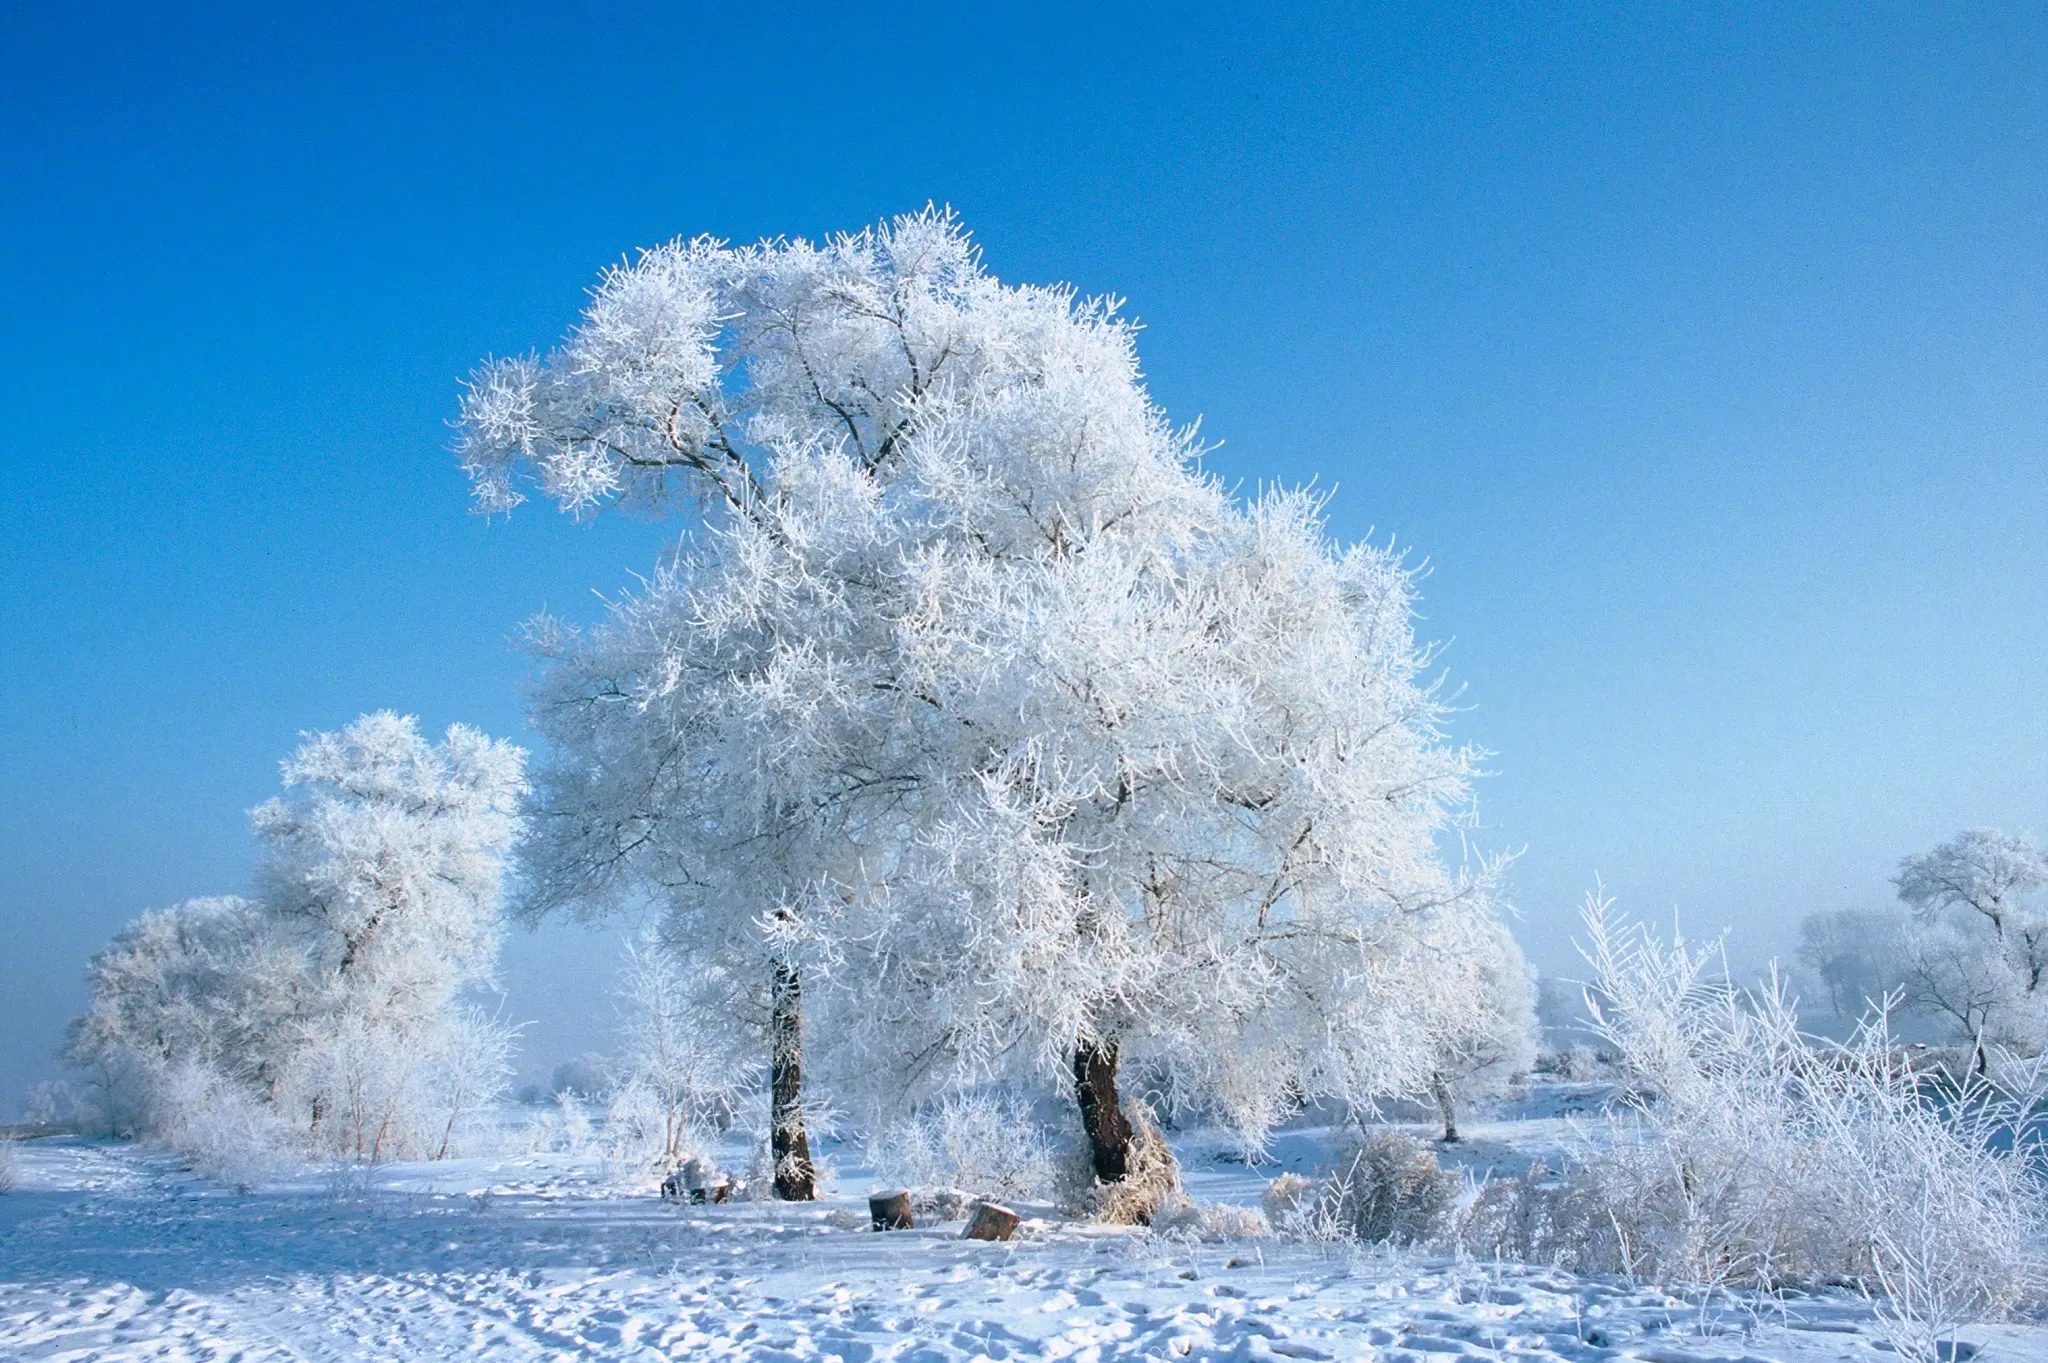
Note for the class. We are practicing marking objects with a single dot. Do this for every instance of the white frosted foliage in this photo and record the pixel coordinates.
(971, 699)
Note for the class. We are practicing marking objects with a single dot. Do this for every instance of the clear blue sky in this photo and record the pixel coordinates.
(1700, 349)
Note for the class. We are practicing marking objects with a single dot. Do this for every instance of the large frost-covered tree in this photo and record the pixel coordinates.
(970, 721)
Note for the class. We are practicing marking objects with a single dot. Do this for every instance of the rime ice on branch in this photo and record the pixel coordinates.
(971, 731)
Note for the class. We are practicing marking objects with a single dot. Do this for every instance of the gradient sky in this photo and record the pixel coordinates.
(1700, 351)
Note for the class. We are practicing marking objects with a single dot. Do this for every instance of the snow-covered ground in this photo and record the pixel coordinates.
(109, 1251)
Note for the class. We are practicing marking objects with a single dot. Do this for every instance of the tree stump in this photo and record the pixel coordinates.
(891, 1211)
(990, 1221)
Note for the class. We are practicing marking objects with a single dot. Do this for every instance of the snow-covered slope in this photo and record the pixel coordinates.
(109, 1251)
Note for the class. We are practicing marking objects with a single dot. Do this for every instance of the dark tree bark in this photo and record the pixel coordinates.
(1444, 1104)
(1102, 1116)
(795, 1179)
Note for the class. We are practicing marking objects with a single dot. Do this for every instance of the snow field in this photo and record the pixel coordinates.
(114, 1252)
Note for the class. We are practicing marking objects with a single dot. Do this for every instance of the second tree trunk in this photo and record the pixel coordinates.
(1447, 1106)
(789, 1141)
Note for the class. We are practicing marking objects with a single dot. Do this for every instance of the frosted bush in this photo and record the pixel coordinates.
(467, 1066)
(359, 1090)
(1541, 1217)
(347, 1180)
(984, 1144)
(642, 1134)
(224, 1131)
(1211, 1221)
(1283, 1199)
(573, 1121)
(1748, 1153)
(541, 1133)
(633, 1136)
(1385, 1188)
(1073, 1174)
(677, 1074)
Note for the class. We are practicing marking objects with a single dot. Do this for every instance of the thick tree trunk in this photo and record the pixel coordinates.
(795, 1179)
(1102, 1117)
(1442, 1092)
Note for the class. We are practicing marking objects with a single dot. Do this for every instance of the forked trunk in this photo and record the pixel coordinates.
(1102, 1116)
(789, 1142)
(1444, 1104)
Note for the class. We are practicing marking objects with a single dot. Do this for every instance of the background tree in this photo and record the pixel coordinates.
(669, 1058)
(1854, 955)
(199, 987)
(1977, 953)
(327, 1007)
(1497, 1042)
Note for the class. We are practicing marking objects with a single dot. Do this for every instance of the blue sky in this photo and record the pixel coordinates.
(1699, 350)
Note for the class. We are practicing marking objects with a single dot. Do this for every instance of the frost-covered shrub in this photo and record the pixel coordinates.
(1211, 1221)
(634, 1136)
(1283, 1199)
(988, 1145)
(467, 1070)
(358, 1089)
(225, 1132)
(677, 1075)
(643, 1135)
(364, 1089)
(1541, 1217)
(347, 1180)
(1750, 1153)
(1073, 1173)
(572, 1120)
(1385, 1188)
(541, 1131)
